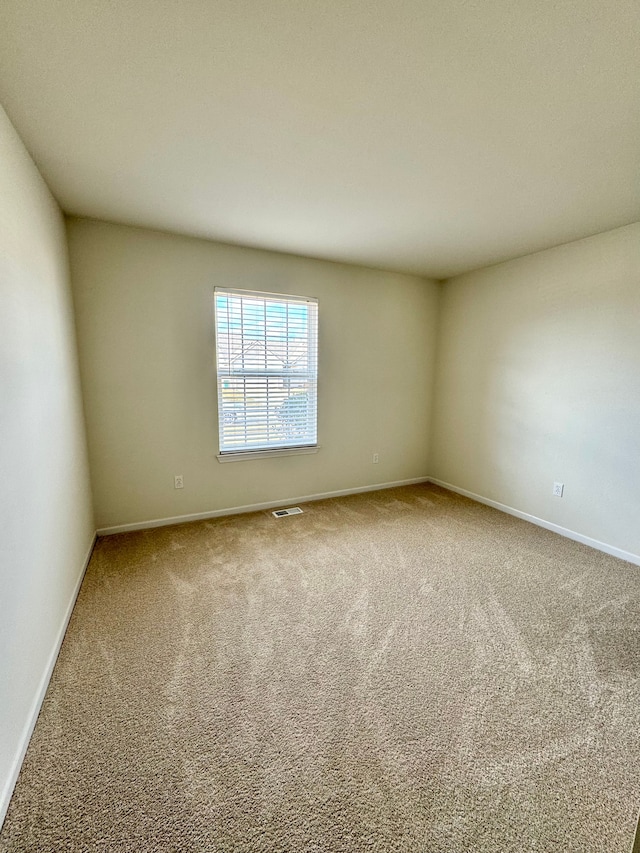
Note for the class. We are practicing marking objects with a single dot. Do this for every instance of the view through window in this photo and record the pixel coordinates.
(267, 356)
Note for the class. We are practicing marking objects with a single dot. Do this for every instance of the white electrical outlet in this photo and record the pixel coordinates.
(558, 489)
(376, 458)
(178, 482)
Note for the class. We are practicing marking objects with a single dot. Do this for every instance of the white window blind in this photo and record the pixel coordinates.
(267, 366)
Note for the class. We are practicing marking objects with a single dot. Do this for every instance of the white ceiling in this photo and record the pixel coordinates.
(431, 136)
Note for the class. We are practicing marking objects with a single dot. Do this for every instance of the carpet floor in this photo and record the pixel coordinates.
(404, 670)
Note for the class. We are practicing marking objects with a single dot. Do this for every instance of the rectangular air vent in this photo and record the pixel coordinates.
(280, 513)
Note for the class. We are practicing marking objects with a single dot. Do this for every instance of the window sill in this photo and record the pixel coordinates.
(264, 454)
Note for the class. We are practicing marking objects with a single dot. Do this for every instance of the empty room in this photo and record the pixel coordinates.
(319, 426)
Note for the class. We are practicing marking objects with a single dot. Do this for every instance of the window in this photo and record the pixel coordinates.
(267, 365)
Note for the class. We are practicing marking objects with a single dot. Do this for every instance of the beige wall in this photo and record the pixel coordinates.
(46, 524)
(144, 303)
(538, 380)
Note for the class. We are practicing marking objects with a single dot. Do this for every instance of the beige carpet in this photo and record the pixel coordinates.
(398, 671)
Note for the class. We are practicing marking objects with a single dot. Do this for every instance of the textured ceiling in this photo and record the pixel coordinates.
(431, 137)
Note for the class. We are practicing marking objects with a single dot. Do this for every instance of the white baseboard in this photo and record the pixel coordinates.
(10, 782)
(236, 510)
(548, 525)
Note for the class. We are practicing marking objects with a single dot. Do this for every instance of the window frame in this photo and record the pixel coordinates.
(277, 450)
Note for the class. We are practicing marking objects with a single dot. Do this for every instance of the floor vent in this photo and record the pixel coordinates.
(294, 510)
